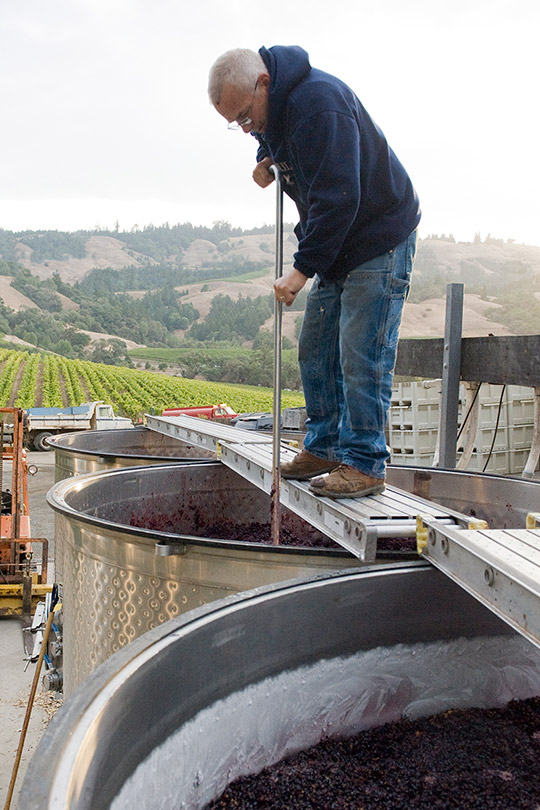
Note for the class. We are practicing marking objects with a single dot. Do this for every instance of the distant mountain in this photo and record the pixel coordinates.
(491, 264)
(75, 255)
(100, 252)
(205, 262)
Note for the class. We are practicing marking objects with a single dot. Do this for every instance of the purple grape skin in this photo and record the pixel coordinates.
(463, 759)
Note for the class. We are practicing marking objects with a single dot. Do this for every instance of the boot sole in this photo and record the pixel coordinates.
(376, 490)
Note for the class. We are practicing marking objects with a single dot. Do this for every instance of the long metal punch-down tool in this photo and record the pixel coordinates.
(276, 409)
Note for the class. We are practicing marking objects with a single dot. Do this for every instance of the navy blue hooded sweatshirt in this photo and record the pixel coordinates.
(354, 198)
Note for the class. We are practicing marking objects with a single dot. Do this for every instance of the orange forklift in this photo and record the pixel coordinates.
(21, 586)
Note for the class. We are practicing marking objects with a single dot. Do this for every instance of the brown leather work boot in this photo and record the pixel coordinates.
(346, 482)
(305, 465)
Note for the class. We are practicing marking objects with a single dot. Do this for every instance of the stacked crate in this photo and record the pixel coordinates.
(413, 426)
(413, 423)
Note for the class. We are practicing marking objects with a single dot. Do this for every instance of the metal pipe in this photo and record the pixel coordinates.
(276, 408)
(534, 452)
(451, 374)
(389, 529)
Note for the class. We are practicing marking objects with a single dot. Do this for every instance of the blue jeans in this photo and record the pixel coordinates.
(347, 353)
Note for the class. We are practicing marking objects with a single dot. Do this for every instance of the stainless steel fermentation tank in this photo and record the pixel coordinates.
(138, 546)
(232, 687)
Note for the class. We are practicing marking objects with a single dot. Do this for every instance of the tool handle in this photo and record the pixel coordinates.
(33, 690)
(276, 410)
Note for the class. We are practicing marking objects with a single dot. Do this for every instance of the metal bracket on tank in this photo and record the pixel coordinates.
(533, 520)
(170, 549)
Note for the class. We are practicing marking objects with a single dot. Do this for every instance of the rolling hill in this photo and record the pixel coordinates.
(215, 259)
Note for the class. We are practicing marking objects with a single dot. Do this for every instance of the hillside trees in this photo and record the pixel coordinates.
(4, 315)
(162, 244)
(244, 366)
(168, 242)
(233, 320)
(119, 316)
(54, 244)
(100, 281)
(519, 308)
(151, 320)
(8, 247)
(111, 351)
(166, 306)
(43, 294)
(60, 286)
(44, 330)
(45, 245)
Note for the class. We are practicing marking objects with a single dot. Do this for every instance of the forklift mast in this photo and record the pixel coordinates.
(20, 583)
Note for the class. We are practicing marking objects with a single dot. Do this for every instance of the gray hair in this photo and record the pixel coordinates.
(239, 67)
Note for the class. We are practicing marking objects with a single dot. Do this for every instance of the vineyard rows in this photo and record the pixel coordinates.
(42, 380)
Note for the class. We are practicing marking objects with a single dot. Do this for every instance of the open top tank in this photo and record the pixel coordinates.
(229, 689)
(96, 450)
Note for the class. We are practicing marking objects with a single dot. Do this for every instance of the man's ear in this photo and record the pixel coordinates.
(264, 79)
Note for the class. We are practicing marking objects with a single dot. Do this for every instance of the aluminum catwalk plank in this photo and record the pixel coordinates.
(202, 433)
(353, 523)
(500, 567)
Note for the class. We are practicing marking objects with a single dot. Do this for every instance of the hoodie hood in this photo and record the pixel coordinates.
(287, 65)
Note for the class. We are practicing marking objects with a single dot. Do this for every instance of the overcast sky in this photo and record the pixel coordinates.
(105, 115)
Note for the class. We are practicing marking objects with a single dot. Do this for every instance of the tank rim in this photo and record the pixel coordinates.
(56, 443)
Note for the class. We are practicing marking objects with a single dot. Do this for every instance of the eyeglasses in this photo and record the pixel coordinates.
(240, 123)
